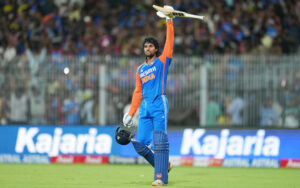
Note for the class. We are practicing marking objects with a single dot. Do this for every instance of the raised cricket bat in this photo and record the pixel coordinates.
(177, 13)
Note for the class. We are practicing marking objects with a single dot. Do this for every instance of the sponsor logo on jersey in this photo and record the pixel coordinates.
(148, 77)
(147, 72)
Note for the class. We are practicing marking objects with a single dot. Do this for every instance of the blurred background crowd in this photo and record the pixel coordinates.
(76, 27)
(51, 52)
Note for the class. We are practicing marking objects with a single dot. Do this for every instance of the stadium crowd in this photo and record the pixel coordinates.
(40, 38)
(117, 27)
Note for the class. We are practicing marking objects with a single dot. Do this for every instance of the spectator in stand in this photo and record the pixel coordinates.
(87, 108)
(46, 6)
(19, 107)
(71, 109)
(55, 114)
(268, 115)
(252, 107)
(213, 112)
(37, 106)
(235, 109)
(291, 114)
(36, 56)
(9, 53)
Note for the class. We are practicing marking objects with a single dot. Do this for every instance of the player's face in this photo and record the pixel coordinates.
(149, 50)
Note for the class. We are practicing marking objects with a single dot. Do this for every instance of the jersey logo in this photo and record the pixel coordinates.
(148, 77)
(147, 72)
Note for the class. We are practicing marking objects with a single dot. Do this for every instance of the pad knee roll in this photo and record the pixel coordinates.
(144, 151)
(140, 148)
(161, 142)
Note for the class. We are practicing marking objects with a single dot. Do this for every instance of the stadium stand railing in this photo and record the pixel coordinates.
(211, 91)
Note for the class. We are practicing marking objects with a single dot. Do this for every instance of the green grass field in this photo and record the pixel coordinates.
(115, 176)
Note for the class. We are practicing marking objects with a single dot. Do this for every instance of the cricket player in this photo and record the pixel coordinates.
(150, 97)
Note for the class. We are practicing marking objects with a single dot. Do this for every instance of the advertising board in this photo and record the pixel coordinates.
(191, 147)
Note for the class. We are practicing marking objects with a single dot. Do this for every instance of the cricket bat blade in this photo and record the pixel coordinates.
(177, 13)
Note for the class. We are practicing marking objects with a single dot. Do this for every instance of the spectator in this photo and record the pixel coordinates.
(10, 53)
(37, 106)
(19, 107)
(35, 60)
(268, 115)
(87, 109)
(235, 109)
(71, 109)
(252, 107)
(55, 114)
(47, 6)
(213, 112)
(291, 114)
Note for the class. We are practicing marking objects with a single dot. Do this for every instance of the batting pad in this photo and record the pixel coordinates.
(161, 156)
(144, 151)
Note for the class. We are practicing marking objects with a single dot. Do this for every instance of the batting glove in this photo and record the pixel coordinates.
(127, 120)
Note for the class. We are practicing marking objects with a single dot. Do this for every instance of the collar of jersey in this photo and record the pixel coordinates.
(148, 64)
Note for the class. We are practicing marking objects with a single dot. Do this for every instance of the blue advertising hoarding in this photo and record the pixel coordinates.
(39, 143)
(226, 143)
(18, 143)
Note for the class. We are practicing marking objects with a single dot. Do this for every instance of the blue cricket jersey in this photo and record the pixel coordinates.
(151, 78)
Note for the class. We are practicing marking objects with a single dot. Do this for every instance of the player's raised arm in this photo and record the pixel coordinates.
(169, 44)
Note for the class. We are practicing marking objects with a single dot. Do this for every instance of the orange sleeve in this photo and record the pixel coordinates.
(168, 48)
(137, 95)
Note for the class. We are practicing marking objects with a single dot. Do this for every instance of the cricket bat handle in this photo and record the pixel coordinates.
(194, 16)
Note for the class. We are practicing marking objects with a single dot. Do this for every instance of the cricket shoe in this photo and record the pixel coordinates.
(170, 167)
(158, 182)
